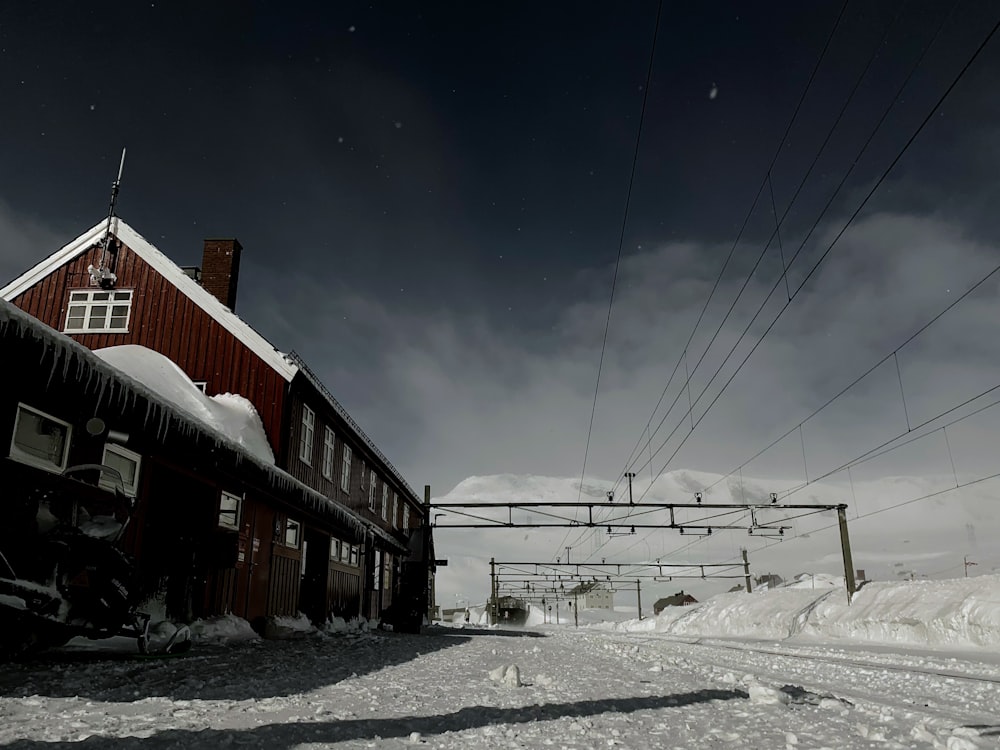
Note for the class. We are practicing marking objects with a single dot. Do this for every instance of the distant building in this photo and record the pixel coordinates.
(592, 595)
(680, 599)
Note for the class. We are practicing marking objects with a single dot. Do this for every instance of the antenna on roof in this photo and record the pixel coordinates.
(102, 275)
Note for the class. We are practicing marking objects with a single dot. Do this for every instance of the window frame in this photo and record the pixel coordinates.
(329, 452)
(90, 303)
(345, 469)
(289, 525)
(406, 517)
(21, 455)
(130, 488)
(372, 489)
(237, 514)
(385, 501)
(395, 510)
(307, 427)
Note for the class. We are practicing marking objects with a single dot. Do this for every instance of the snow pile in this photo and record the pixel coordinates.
(963, 612)
(340, 625)
(230, 414)
(508, 675)
(222, 629)
(288, 627)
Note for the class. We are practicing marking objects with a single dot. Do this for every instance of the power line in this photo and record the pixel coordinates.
(829, 248)
(729, 257)
(861, 377)
(746, 221)
(621, 243)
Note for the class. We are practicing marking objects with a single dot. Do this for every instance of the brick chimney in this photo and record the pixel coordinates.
(220, 270)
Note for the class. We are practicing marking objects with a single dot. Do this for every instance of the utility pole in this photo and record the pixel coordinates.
(567, 554)
(576, 611)
(845, 546)
(638, 597)
(965, 561)
(746, 570)
(629, 475)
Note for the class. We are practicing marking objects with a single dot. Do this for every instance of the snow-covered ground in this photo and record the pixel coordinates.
(730, 677)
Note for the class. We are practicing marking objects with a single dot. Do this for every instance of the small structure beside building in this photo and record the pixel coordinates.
(680, 599)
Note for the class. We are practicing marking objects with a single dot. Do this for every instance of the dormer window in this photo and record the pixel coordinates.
(98, 311)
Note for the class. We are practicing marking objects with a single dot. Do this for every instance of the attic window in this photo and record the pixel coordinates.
(98, 311)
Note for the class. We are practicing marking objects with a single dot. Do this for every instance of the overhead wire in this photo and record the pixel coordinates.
(829, 248)
(885, 173)
(766, 182)
(621, 244)
(746, 221)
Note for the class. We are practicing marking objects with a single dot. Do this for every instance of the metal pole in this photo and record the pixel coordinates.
(629, 475)
(430, 569)
(576, 611)
(746, 570)
(638, 597)
(557, 611)
(493, 593)
(845, 545)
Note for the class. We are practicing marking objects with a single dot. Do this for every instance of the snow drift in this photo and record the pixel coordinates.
(955, 613)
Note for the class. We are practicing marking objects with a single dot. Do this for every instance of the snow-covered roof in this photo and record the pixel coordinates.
(96, 374)
(229, 413)
(169, 270)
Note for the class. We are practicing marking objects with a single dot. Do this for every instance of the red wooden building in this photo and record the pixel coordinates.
(114, 288)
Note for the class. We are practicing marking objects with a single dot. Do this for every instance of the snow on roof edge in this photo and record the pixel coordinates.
(169, 270)
(10, 314)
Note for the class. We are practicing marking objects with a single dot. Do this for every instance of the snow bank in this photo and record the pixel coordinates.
(222, 629)
(963, 613)
(288, 627)
(228, 413)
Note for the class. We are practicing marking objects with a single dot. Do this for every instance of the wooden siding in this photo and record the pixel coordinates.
(167, 321)
(283, 591)
(344, 590)
(357, 497)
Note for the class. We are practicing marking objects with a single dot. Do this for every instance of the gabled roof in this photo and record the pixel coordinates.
(169, 270)
(587, 587)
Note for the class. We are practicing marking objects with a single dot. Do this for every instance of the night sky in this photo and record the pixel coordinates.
(430, 198)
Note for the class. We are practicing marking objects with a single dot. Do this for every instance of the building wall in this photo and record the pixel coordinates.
(167, 321)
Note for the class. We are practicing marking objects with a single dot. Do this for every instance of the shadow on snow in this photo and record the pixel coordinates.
(238, 671)
(281, 736)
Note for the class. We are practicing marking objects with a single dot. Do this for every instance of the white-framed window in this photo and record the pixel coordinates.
(385, 501)
(345, 553)
(201, 385)
(345, 470)
(334, 549)
(364, 473)
(293, 533)
(306, 435)
(40, 439)
(377, 571)
(230, 510)
(395, 510)
(355, 555)
(98, 311)
(329, 441)
(406, 517)
(126, 463)
(371, 491)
